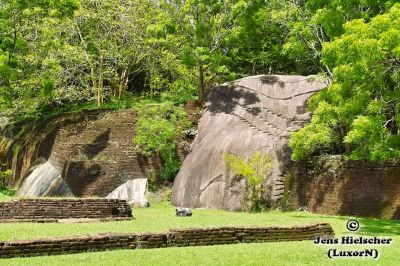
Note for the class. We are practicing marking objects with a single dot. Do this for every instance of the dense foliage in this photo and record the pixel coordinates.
(25, 73)
(360, 112)
(5, 177)
(64, 55)
(157, 129)
(314, 22)
(58, 53)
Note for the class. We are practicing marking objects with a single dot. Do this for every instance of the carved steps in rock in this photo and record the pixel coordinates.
(280, 103)
(291, 123)
(287, 120)
(261, 120)
(268, 123)
(279, 115)
(278, 194)
(279, 188)
(282, 106)
(251, 111)
(248, 123)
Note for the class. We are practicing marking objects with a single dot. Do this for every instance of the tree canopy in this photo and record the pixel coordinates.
(56, 54)
(359, 113)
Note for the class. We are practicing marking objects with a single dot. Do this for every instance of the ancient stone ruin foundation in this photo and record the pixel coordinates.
(173, 238)
(52, 210)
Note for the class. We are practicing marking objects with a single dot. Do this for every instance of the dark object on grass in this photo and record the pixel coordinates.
(183, 212)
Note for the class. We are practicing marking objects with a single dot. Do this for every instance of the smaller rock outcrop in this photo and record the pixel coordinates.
(132, 191)
(44, 180)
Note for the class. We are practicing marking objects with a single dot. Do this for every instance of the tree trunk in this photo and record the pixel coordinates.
(343, 133)
(201, 88)
(122, 84)
(94, 81)
(100, 86)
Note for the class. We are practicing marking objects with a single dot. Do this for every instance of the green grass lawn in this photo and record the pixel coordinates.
(161, 217)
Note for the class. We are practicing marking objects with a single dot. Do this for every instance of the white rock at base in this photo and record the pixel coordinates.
(132, 191)
(142, 204)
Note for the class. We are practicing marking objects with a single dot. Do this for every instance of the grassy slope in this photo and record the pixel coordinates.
(161, 218)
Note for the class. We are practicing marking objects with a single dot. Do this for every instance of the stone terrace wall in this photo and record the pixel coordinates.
(332, 185)
(47, 209)
(92, 150)
(84, 154)
(179, 238)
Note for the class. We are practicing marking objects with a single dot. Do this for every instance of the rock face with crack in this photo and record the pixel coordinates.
(256, 113)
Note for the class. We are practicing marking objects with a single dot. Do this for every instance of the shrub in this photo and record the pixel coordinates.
(157, 129)
(5, 176)
(255, 169)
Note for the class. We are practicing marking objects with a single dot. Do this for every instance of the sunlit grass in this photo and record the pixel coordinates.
(161, 217)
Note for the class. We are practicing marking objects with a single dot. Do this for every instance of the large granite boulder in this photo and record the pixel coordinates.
(256, 113)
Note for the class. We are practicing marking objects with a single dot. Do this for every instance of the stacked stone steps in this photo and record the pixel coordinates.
(248, 123)
(262, 117)
(263, 114)
(290, 121)
(279, 188)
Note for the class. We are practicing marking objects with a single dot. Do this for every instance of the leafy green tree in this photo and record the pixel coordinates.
(253, 46)
(360, 112)
(109, 38)
(25, 79)
(199, 28)
(168, 77)
(255, 169)
(157, 129)
(314, 22)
